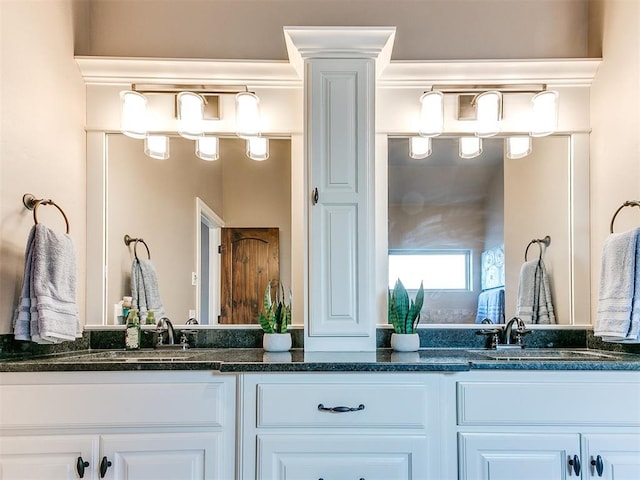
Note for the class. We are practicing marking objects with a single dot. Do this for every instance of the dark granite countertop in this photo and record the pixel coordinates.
(297, 360)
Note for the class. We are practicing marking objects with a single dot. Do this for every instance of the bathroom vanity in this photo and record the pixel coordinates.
(235, 414)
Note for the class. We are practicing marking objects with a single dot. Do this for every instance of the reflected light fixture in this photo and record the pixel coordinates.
(133, 119)
(258, 148)
(469, 147)
(431, 114)
(207, 148)
(156, 146)
(419, 147)
(518, 146)
(190, 115)
(489, 113)
(247, 115)
(544, 115)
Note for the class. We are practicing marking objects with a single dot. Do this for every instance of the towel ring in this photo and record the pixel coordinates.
(128, 240)
(546, 241)
(628, 203)
(32, 203)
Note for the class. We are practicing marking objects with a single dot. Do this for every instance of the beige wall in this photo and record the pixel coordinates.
(252, 29)
(615, 119)
(42, 142)
(537, 204)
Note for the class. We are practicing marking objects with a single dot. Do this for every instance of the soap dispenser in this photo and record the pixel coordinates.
(132, 332)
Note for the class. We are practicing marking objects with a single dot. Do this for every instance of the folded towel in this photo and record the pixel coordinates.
(618, 315)
(145, 292)
(535, 304)
(47, 311)
(491, 305)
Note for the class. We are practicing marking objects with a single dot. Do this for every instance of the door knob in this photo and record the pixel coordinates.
(80, 466)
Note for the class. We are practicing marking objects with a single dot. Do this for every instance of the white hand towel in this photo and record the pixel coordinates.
(618, 315)
(145, 292)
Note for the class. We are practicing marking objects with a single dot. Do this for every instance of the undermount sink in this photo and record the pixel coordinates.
(160, 355)
(531, 354)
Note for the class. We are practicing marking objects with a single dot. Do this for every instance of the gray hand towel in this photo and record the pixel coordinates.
(618, 315)
(54, 312)
(535, 304)
(22, 315)
(145, 292)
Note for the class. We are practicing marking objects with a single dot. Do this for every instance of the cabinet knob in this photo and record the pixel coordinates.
(314, 196)
(104, 466)
(80, 466)
(575, 464)
(598, 464)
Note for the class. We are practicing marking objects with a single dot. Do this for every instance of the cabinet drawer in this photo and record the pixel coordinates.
(77, 401)
(374, 405)
(548, 403)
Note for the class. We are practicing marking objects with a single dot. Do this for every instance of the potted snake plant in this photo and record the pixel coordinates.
(404, 315)
(275, 319)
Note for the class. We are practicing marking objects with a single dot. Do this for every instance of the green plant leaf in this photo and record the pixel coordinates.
(264, 323)
(416, 307)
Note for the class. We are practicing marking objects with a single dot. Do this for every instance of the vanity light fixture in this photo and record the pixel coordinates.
(489, 113)
(544, 119)
(156, 146)
(190, 108)
(419, 147)
(518, 146)
(469, 147)
(207, 148)
(133, 120)
(431, 114)
(195, 106)
(258, 148)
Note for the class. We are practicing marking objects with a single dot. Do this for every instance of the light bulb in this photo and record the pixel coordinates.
(258, 148)
(247, 115)
(431, 114)
(156, 146)
(469, 147)
(544, 119)
(488, 107)
(419, 147)
(190, 115)
(133, 120)
(207, 148)
(518, 146)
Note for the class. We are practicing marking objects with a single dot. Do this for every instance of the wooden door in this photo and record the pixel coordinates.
(250, 259)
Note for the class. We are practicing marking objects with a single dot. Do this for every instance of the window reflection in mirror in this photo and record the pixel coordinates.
(448, 204)
(158, 201)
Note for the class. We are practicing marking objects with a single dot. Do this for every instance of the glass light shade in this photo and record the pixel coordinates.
(133, 120)
(544, 118)
(518, 146)
(247, 115)
(258, 148)
(419, 147)
(156, 146)
(207, 148)
(190, 115)
(488, 108)
(431, 114)
(469, 147)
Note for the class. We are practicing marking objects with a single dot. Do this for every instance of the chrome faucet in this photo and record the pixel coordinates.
(521, 329)
(170, 331)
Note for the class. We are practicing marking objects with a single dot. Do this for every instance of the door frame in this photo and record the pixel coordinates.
(205, 215)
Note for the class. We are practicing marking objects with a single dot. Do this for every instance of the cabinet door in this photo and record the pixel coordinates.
(48, 457)
(525, 456)
(184, 456)
(340, 145)
(619, 454)
(345, 457)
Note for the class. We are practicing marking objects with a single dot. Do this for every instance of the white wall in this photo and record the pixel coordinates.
(42, 142)
(615, 119)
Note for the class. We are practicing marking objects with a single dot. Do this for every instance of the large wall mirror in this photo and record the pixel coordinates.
(486, 210)
(178, 207)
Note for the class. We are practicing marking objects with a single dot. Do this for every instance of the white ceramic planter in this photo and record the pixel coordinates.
(405, 342)
(276, 342)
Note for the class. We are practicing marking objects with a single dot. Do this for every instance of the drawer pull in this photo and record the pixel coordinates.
(598, 464)
(81, 465)
(104, 466)
(322, 408)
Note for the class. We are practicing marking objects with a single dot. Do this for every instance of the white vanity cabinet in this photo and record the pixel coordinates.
(548, 425)
(340, 426)
(121, 425)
